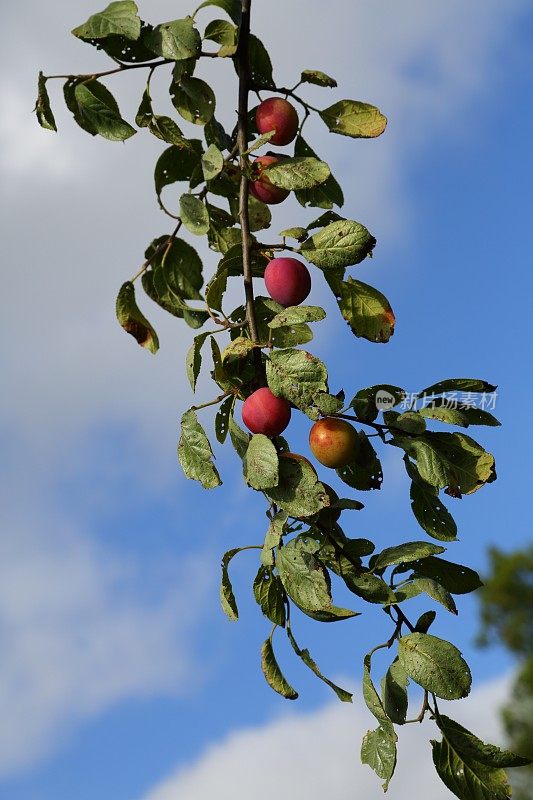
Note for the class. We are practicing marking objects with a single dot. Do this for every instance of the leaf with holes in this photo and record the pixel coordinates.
(176, 41)
(364, 472)
(455, 578)
(194, 100)
(222, 419)
(118, 19)
(378, 750)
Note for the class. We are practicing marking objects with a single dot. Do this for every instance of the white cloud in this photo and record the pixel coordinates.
(82, 628)
(317, 755)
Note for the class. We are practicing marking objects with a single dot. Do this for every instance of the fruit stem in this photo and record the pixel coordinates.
(242, 59)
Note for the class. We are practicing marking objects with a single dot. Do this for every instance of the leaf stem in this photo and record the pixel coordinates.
(212, 403)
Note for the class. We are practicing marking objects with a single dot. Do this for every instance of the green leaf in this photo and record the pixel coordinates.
(294, 233)
(378, 750)
(339, 244)
(270, 596)
(273, 674)
(331, 614)
(455, 578)
(327, 404)
(118, 19)
(231, 7)
(430, 513)
(166, 129)
(261, 463)
(373, 700)
(295, 315)
(364, 472)
(436, 592)
(326, 194)
(410, 421)
(193, 361)
(367, 403)
(43, 111)
(194, 214)
(238, 348)
(176, 41)
(304, 577)
(194, 100)
(176, 164)
(260, 64)
(215, 134)
(394, 693)
(318, 78)
(404, 553)
(222, 419)
(260, 141)
(227, 598)
(238, 437)
(275, 532)
(69, 89)
(467, 778)
(298, 173)
(305, 655)
(97, 106)
(259, 214)
(133, 321)
(365, 309)
(455, 413)
(195, 454)
(370, 587)
(435, 664)
(177, 270)
(458, 385)
(451, 460)
(296, 375)
(225, 34)
(212, 162)
(471, 747)
(425, 621)
(353, 118)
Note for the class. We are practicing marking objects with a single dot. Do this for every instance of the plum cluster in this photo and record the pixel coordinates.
(333, 441)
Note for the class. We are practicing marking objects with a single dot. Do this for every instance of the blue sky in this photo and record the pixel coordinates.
(119, 673)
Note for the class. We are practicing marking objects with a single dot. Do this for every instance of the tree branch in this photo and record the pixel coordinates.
(242, 57)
